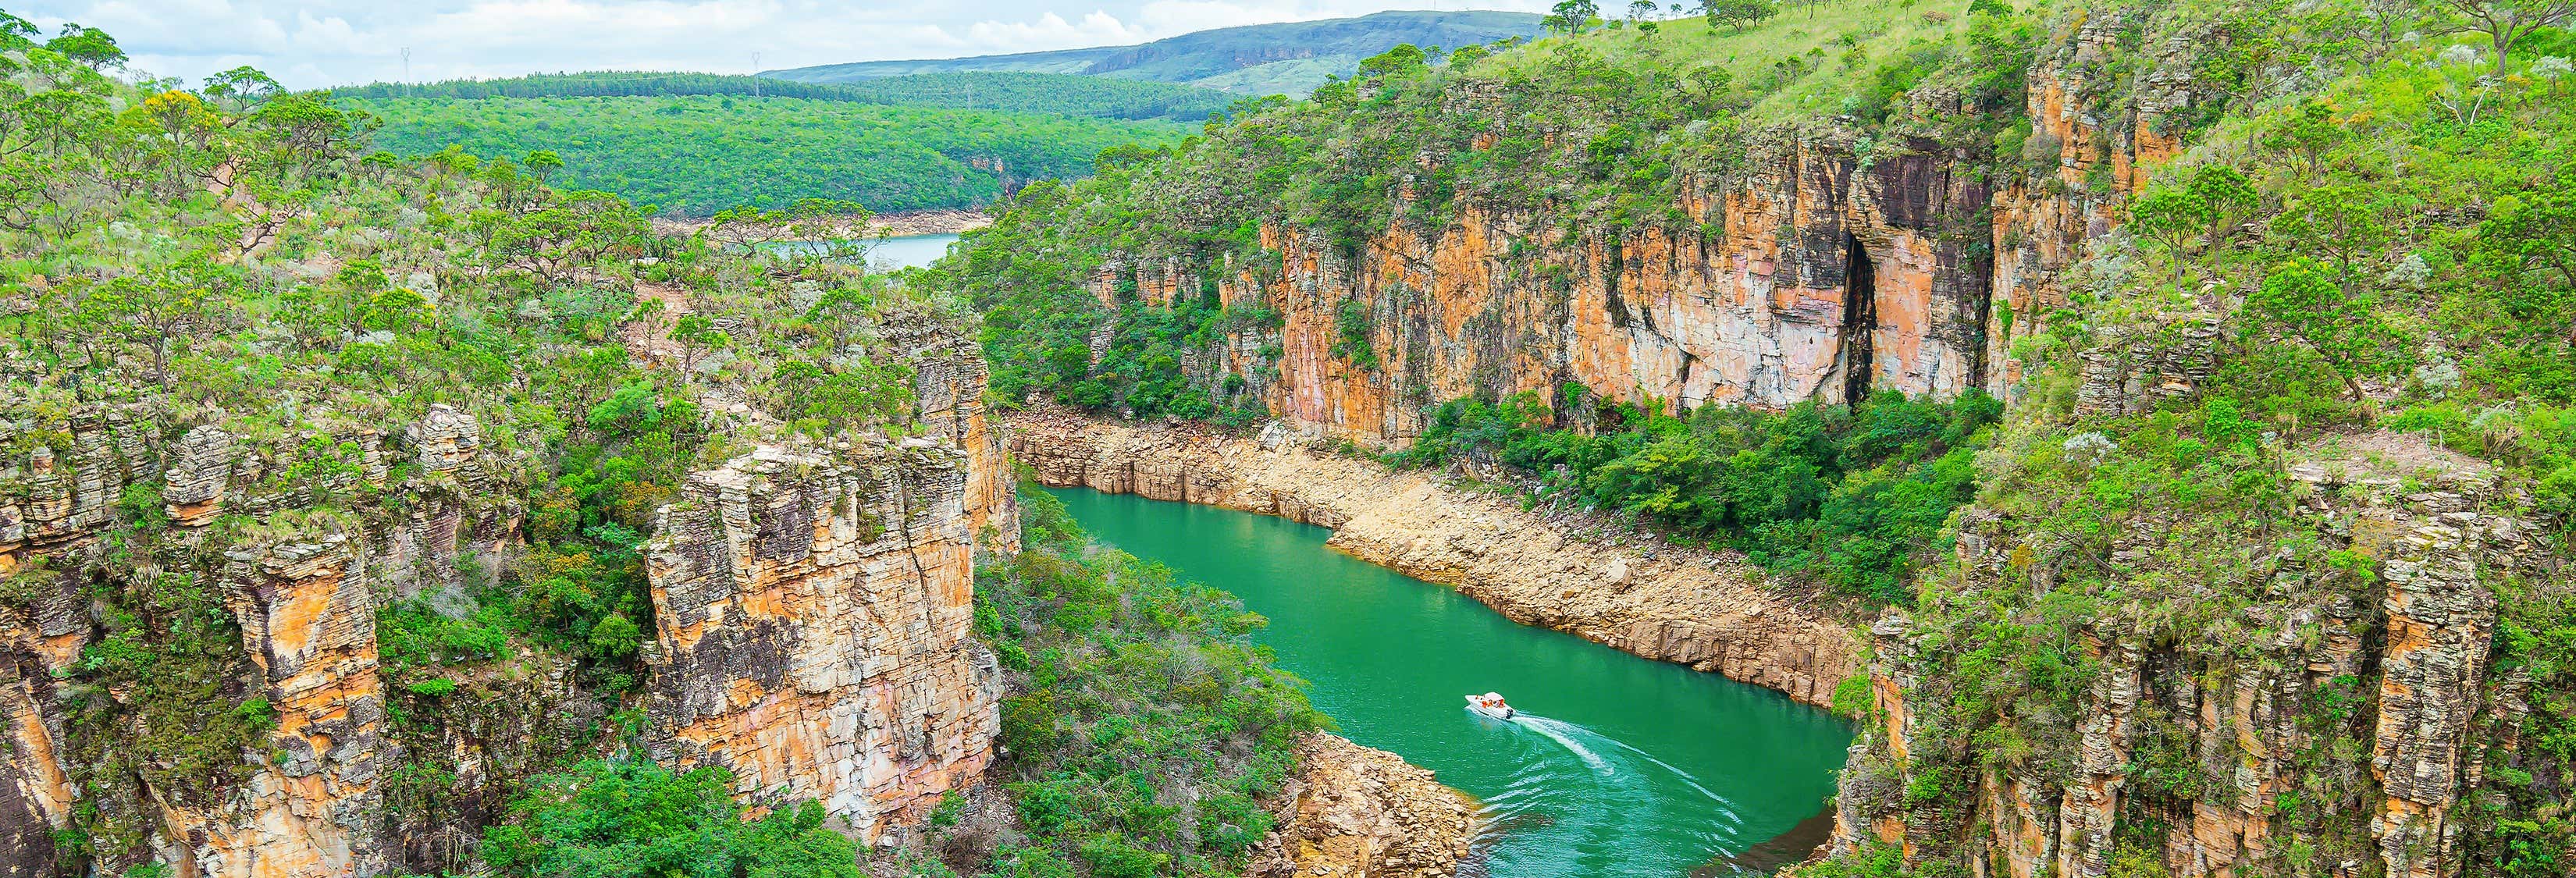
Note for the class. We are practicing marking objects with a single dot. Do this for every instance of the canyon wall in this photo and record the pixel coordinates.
(1822, 263)
(813, 613)
(301, 578)
(1559, 570)
(2336, 725)
(812, 609)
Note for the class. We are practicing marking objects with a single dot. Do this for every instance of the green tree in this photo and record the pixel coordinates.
(240, 88)
(2172, 217)
(2523, 256)
(2507, 23)
(698, 337)
(1738, 14)
(543, 163)
(2300, 300)
(1572, 16)
(15, 32)
(88, 45)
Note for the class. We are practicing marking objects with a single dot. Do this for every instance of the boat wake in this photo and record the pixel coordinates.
(1590, 802)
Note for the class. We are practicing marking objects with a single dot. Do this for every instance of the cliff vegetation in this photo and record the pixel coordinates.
(2261, 569)
(327, 478)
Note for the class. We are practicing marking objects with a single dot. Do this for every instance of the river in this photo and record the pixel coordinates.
(1620, 766)
(900, 251)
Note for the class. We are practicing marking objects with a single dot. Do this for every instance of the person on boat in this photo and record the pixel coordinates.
(1493, 700)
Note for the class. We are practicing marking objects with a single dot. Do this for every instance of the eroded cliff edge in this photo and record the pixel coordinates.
(1650, 598)
(811, 605)
(2335, 707)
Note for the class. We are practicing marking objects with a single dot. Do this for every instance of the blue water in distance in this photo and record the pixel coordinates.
(1620, 766)
(903, 251)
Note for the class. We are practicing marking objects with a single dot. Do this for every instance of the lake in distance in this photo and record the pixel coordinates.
(1620, 766)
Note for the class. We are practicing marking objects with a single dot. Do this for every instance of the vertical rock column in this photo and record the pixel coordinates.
(2441, 620)
(814, 615)
(309, 623)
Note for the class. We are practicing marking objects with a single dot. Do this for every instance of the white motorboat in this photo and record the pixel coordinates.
(1491, 704)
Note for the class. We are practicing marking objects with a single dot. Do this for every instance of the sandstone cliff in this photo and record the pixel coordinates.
(813, 610)
(301, 579)
(2325, 723)
(1355, 812)
(1647, 597)
(1822, 262)
(813, 613)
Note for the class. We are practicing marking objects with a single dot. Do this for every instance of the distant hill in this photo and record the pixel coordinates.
(1054, 93)
(1290, 58)
(693, 155)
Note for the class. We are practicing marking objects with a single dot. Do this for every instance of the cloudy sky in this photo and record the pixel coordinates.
(331, 42)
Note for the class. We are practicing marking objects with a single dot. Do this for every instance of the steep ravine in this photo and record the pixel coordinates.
(1649, 598)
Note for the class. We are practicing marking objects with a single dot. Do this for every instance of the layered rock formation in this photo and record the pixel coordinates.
(1821, 263)
(813, 610)
(1356, 812)
(304, 597)
(813, 615)
(1654, 599)
(2212, 757)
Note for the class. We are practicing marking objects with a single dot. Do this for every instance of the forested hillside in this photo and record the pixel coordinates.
(2261, 567)
(1058, 94)
(1290, 58)
(699, 154)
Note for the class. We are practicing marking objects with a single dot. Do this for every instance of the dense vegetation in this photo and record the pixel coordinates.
(238, 257)
(699, 154)
(634, 819)
(1049, 93)
(1851, 495)
(1142, 721)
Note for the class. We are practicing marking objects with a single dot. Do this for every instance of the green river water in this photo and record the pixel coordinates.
(1619, 766)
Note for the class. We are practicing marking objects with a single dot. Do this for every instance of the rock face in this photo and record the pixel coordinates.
(1355, 812)
(813, 614)
(305, 604)
(1673, 603)
(1819, 264)
(2200, 751)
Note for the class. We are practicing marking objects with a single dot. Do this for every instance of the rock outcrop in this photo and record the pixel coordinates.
(813, 610)
(1817, 261)
(1356, 812)
(813, 614)
(1654, 599)
(2215, 755)
(304, 595)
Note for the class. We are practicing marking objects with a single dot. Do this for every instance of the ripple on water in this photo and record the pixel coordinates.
(1621, 767)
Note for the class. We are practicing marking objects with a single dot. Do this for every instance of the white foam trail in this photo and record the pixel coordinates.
(1563, 733)
(1556, 731)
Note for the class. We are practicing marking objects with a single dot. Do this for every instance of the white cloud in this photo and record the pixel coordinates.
(313, 43)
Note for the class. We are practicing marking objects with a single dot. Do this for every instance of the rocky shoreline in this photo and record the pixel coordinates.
(1563, 571)
(1364, 813)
